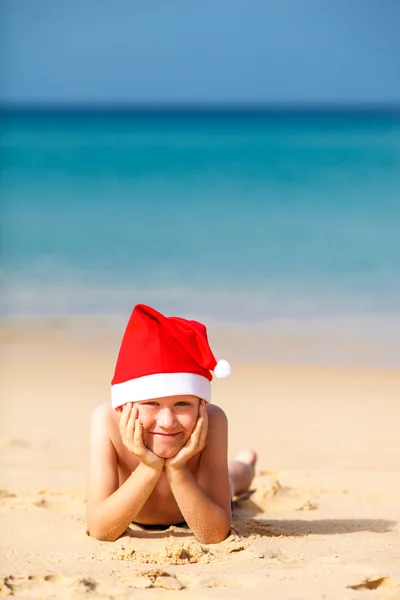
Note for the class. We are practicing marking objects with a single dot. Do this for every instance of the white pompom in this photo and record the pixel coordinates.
(222, 369)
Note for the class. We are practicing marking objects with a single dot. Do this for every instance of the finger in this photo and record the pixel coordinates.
(204, 414)
(204, 411)
(204, 424)
(138, 434)
(201, 424)
(194, 440)
(201, 407)
(130, 425)
(194, 444)
(132, 418)
(203, 434)
(196, 431)
(206, 419)
(126, 411)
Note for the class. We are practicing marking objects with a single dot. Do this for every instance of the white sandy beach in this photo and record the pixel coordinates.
(323, 522)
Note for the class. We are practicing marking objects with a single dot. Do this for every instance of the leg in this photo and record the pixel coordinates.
(241, 471)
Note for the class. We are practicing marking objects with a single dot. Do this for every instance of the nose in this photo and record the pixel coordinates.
(167, 418)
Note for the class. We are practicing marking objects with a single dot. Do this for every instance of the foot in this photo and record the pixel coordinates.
(248, 457)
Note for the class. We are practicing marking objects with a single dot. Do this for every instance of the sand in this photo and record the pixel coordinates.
(323, 521)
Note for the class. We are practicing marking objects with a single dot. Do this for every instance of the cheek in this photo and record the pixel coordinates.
(189, 422)
(145, 416)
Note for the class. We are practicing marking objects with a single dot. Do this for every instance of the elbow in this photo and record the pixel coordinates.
(99, 534)
(96, 527)
(215, 535)
(216, 539)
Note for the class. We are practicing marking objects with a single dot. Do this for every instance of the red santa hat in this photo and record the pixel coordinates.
(163, 356)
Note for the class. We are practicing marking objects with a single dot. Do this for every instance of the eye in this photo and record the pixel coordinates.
(149, 403)
(183, 403)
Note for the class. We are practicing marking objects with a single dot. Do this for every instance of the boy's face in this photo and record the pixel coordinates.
(168, 423)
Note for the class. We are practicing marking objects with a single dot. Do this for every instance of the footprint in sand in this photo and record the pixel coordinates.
(307, 505)
(154, 578)
(13, 443)
(49, 585)
(61, 501)
(12, 500)
(216, 581)
(6, 496)
(42, 585)
(373, 583)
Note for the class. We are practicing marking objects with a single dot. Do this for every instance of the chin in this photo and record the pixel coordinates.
(166, 452)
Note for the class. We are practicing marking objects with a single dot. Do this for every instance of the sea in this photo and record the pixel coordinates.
(278, 224)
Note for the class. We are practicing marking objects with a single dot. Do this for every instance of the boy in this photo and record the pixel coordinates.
(158, 455)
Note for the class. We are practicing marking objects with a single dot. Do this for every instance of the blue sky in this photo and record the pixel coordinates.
(203, 51)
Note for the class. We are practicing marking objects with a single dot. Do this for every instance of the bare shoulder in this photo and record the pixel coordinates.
(213, 473)
(103, 463)
(216, 416)
(103, 418)
(102, 412)
(217, 432)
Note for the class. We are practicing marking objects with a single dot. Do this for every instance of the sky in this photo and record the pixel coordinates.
(199, 52)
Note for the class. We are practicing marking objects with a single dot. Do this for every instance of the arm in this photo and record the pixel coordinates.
(110, 508)
(205, 502)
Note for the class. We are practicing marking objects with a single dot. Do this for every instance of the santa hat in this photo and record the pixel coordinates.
(163, 356)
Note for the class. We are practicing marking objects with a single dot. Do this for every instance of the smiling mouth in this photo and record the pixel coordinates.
(170, 435)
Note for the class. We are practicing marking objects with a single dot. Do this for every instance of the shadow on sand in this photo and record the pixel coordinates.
(299, 527)
(158, 531)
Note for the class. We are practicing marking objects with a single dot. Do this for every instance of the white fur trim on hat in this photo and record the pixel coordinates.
(160, 385)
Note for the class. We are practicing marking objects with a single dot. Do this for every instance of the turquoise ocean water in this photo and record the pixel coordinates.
(237, 217)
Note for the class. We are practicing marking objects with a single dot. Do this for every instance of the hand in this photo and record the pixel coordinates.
(195, 443)
(131, 429)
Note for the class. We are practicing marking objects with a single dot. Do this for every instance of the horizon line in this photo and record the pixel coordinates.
(200, 106)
